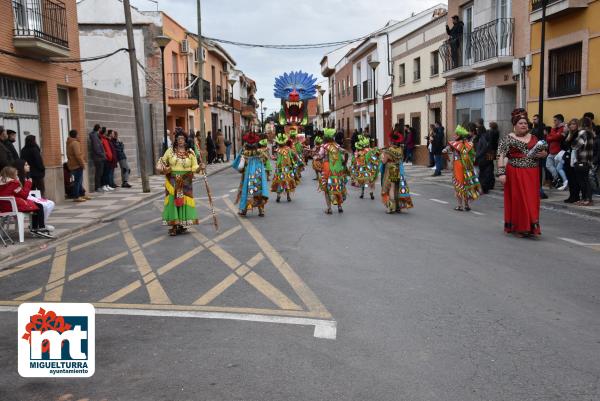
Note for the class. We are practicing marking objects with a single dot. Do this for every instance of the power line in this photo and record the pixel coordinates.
(291, 46)
(63, 61)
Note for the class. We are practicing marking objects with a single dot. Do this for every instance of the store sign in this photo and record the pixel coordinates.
(468, 85)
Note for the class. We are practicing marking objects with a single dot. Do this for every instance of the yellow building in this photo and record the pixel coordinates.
(571, 85)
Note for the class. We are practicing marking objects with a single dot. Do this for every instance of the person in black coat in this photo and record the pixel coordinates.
(437, 146)
(32, 155)
(6, 157)
(456, 34)
(210, 148)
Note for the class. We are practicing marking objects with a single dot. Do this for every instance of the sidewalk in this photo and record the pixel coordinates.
(555, 197)
(70, 217)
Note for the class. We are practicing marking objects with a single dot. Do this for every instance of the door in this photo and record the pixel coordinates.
(415, 124)
(64, 121)
(214, 117)
(467, 30)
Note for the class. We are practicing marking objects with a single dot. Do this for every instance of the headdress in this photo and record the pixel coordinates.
(517, 115)
(329, 133)
(263, 142)
(281, 139)
(250, 138)
(461, 131)
(396, 137)
(318, 140)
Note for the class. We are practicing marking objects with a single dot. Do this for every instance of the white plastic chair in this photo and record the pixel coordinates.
(19, 217)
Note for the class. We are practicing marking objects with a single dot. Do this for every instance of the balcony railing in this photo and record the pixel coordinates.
(218, 95)
(41, 19)
(538, 4)
(494, 39)
(179, 86)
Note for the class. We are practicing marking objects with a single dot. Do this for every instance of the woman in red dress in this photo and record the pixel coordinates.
(518, 171)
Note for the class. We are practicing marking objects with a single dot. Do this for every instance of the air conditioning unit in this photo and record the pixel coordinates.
(199, 56)
(185, 46)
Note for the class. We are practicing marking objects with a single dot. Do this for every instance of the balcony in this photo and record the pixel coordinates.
(40, 27)
(248, 111)
(218, 95)
(554, 8)
(180, 86)
(487, 46)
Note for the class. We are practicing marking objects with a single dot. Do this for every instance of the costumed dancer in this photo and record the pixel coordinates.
(297, 148)
(518, 156)
(286, 161)
(317, 165)
(395, 193)
(253, 191)
(465, 181)
(179, 163)
(263, 146)
(334, 174)
(365, 166)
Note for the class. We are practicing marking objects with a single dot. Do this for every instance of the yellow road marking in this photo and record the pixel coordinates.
(269, 291)
(24, 266)
(57, 272)
(153, 242)
(155, 290)
(97, 266)
(176, 262)
(216, 290)
(256, 259)
(304, 292)
(29, 295)
(115, 296)
(94, 241)
(227, 233)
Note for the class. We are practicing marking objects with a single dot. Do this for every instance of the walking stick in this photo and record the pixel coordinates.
(210, 201)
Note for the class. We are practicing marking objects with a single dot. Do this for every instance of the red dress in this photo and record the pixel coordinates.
(522, 188)
(14, 188)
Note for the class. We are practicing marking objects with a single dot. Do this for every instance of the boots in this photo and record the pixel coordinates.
(362, 192)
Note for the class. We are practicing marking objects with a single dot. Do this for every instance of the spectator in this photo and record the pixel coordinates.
(32, 155)
(595, 180)
(437, 146)
(108, 161)
(6, 157)
(455, 33)
(339, 137)
(430, 136)
(584, 148)
(114, 162)
(122, 160)
(554, 161)
(76, 165)
(537, 130)
(572, 134)
(409, 143)
(479, 124)
(15, 160)
(210, 147)
(227, 149)
(489, 146)
(11, 186)
(220, 147)
(98, 157)
(353, 140)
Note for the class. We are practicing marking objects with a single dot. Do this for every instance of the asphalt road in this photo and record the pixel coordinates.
(432, 304)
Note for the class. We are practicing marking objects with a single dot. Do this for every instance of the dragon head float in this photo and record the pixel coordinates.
(294, 90)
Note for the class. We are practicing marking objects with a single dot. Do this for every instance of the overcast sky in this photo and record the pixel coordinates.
(284, 22)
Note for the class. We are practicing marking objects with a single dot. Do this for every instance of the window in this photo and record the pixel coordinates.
(565, 71)
(435, 63)
(17, 89)
(401, 74)
(348, 85)
(417, 69)
(338, 90)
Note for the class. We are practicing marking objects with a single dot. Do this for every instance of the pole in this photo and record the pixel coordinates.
(542, 64)
(201, 81)
(137, 102)
(374, 128)
(233, 122)
(164, 90)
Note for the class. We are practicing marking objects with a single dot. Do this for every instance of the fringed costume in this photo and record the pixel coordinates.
(395, 193)
(334, 175)
(364, 168)
(317, 164)
(284, 178)
(254, 190)
(465, 181)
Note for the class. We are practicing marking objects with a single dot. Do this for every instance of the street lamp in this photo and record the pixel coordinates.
(232, 81)
(261, 100)
(262, 119)
(374, 64)
(162, 42)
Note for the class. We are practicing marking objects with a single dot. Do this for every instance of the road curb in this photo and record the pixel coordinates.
(33, 248)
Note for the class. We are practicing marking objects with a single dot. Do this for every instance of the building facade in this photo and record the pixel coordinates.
(572, 50)
(479, 66)
(419, 90)
(39, 97)
(342, 92)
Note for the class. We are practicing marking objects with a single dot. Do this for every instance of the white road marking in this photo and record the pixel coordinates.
(477, 213)
(415, 194)
(233, 190)
(439, 201)
(574, 241)
(326, 329)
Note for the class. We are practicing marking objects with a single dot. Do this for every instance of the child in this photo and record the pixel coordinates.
(11, 186)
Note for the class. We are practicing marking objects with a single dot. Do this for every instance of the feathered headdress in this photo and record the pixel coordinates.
(461, 131)
(281, 138)
(363, 142)
(329, 133)
(251, 138)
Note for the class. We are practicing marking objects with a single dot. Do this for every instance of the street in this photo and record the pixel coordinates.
(431, 304)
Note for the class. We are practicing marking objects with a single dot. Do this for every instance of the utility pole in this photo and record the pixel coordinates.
(137, 102)
(201, 80)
